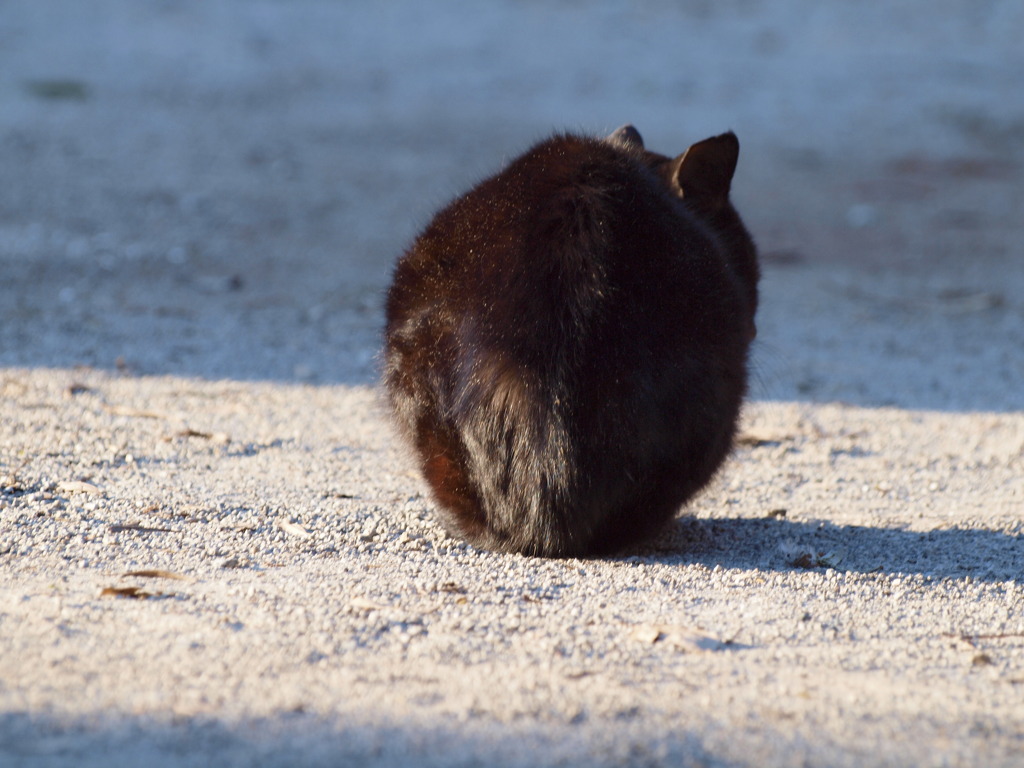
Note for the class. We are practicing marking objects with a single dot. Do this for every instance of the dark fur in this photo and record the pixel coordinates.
(566, 343)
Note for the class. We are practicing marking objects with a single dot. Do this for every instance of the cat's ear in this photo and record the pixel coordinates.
(703, 173)
(626, 136)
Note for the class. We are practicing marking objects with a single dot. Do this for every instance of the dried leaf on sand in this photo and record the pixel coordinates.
(78, 486)
(365, 604)
(134, 593)
(293, 529)
(156, 574)
(685, 639)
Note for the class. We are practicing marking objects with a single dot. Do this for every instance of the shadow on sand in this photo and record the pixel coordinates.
(782, 545)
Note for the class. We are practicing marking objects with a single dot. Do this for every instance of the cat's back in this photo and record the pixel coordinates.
(539, 237)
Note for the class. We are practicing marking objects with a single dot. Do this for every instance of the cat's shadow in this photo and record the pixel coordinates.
(768, 544)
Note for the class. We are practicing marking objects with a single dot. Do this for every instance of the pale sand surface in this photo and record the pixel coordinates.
(199, 206)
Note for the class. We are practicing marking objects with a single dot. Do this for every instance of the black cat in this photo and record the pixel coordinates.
(566, 344)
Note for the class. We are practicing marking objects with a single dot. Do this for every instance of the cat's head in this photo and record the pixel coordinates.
(702, 177)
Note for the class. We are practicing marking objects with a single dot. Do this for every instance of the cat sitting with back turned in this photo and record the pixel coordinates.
(566, 344)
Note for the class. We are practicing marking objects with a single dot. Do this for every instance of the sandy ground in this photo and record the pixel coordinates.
(212, 551)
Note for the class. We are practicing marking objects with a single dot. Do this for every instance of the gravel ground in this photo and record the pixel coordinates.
(212, 549)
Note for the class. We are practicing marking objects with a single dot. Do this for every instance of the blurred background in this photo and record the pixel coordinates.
(220, 188)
